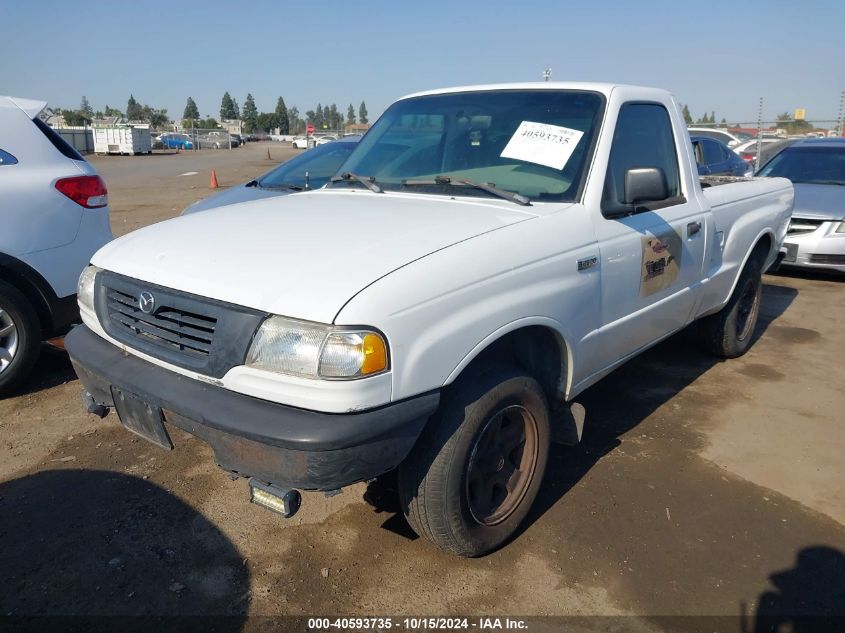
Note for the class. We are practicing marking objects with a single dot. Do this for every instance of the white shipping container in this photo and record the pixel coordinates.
(122, 140)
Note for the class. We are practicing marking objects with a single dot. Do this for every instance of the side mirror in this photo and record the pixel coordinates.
(645, 184)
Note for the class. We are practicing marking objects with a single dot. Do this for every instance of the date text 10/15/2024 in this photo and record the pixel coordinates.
(416, 624)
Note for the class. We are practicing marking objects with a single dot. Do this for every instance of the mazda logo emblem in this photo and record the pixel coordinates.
(146, 301)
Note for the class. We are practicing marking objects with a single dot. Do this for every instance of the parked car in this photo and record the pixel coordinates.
(747, 150)
(299, 142)
(155, 141)
(310, 170)
(816, 235)
(413, 316)
(715, 159)
(239, 139)
(55, 214)
(770, 150)
(175, 140)
(328, 138)
(216, 140)
(729, 139)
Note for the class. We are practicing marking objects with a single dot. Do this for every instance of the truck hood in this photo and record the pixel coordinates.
(234, 195)
(819, 202)
(301, 256)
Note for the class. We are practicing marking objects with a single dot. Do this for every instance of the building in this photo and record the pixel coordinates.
(357, 128)
(232, 126)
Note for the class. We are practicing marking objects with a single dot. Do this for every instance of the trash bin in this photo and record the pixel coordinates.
(312, 142)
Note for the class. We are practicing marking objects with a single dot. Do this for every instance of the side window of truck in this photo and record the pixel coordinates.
(643, 139)
(7, 159)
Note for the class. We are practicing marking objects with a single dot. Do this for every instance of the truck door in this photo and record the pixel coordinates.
(652, 252)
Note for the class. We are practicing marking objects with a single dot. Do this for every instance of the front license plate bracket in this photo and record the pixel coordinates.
(141, 418)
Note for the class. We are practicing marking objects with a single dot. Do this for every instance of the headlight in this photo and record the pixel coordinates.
(313, 350)
(841, 227)
(85, 287)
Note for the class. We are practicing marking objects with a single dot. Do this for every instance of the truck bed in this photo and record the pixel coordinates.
(715, 181)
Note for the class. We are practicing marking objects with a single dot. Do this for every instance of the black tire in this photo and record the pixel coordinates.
(729, 332)
(442, 484)
(16, 310)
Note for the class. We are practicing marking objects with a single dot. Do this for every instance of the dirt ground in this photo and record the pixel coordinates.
(701, 488)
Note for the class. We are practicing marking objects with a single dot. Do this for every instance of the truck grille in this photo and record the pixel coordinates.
(204, 335)
(168, 327)
(797, 226)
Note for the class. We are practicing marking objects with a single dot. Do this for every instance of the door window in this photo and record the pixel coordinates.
(713, 152)
(643, 139)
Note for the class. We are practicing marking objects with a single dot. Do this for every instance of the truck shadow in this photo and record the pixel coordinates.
(629, 395)
(108, 551)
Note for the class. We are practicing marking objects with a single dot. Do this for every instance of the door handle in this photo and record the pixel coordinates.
(693, 228)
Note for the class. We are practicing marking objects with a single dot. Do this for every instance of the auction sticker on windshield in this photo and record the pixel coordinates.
(542, 144)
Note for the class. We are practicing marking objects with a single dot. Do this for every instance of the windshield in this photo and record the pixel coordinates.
(535, 143)
(320, 163)
(814, 165)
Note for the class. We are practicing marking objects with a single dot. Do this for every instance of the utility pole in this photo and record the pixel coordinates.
(759, 132)
(547, 74)
(839, 130)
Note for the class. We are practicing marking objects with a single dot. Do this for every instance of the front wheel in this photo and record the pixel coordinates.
(472, 477)
(729, 332)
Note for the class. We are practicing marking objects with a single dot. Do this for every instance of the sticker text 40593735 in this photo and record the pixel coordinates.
(542, 144)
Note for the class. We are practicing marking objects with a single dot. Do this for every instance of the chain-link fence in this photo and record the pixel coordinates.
(213, 139)
(782, 128)
(197, 139)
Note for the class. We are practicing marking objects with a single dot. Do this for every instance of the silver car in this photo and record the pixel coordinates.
(816, 235)
(310, 170)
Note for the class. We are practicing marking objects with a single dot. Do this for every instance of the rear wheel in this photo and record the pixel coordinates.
(471, 479)
(20, 338)
(729, 332)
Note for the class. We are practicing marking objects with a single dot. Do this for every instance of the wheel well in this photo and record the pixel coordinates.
(762, 248)
(539, 350)
(18, 275)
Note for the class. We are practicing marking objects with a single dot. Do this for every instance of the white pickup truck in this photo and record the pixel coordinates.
(487, 254)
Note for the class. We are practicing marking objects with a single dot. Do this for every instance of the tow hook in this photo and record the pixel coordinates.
(273, 498)
(92, 406)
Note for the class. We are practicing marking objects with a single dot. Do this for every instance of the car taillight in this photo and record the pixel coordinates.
(87, 191)
(747, 157)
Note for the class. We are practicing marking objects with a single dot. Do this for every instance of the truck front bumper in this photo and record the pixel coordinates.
(278, 444)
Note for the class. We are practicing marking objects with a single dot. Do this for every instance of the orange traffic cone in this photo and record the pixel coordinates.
(268, 154)
(213, 183)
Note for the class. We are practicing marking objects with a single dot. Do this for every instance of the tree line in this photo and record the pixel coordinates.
(705, 119)
(287, 120)
(783, 121)
(85, 114)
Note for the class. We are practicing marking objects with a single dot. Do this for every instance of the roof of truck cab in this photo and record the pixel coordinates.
(603, 88)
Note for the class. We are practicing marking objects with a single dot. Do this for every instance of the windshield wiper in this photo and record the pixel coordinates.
(368, 181)
(483, 186)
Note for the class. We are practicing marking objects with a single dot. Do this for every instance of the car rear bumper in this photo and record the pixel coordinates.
(278, 444)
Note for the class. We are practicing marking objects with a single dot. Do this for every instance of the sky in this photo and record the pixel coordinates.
(714, 56)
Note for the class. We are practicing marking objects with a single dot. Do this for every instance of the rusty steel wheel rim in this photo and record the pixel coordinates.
(502, 464)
